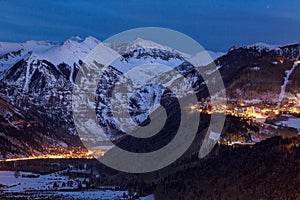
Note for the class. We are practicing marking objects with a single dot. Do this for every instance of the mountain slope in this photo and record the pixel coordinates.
(38, 77)
(24, 133)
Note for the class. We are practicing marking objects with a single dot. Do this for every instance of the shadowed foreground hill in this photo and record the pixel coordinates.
(269, 170)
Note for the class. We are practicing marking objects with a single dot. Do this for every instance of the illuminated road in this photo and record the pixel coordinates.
(42, 157)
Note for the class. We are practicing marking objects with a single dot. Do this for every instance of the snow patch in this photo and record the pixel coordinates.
(286, 80)
(291, 122)
(255, 68)
(263, 46)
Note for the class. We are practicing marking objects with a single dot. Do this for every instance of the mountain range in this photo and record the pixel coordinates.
(37, 77)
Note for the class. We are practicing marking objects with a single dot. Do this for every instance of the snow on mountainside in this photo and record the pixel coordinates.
(70, 51)
(38, 77)
(76, 48)
(204, 57)
(199, 59)
(263, 45)
(10, 52)
(31, 45)
(127, 47)
(262, 73)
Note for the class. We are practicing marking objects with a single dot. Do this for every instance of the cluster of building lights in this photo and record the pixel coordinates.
(241, 109)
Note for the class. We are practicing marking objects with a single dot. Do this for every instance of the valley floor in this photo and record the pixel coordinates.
(21, 185)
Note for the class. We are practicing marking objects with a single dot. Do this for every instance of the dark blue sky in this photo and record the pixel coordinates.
(217, 25)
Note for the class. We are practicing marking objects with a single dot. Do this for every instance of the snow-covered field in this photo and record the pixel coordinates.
(14, 181)
(90, 195)
(87, 195)
(18, 184)
(291, 122)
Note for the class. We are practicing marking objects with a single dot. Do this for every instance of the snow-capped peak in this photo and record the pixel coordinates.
(262, 45)
(75, 39)
(91, 40)
(88, 41)
(138, 43)
(70, 51)
(31, 45)
(200, 58)
(56, 52)
(148, 44)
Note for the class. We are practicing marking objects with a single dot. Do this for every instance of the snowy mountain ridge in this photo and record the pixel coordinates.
(38, 77)
(199, 59)
(263, 45)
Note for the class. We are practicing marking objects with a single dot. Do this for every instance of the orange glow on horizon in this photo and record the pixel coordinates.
(62, 153)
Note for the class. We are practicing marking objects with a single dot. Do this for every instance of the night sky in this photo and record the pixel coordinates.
(216, 25)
